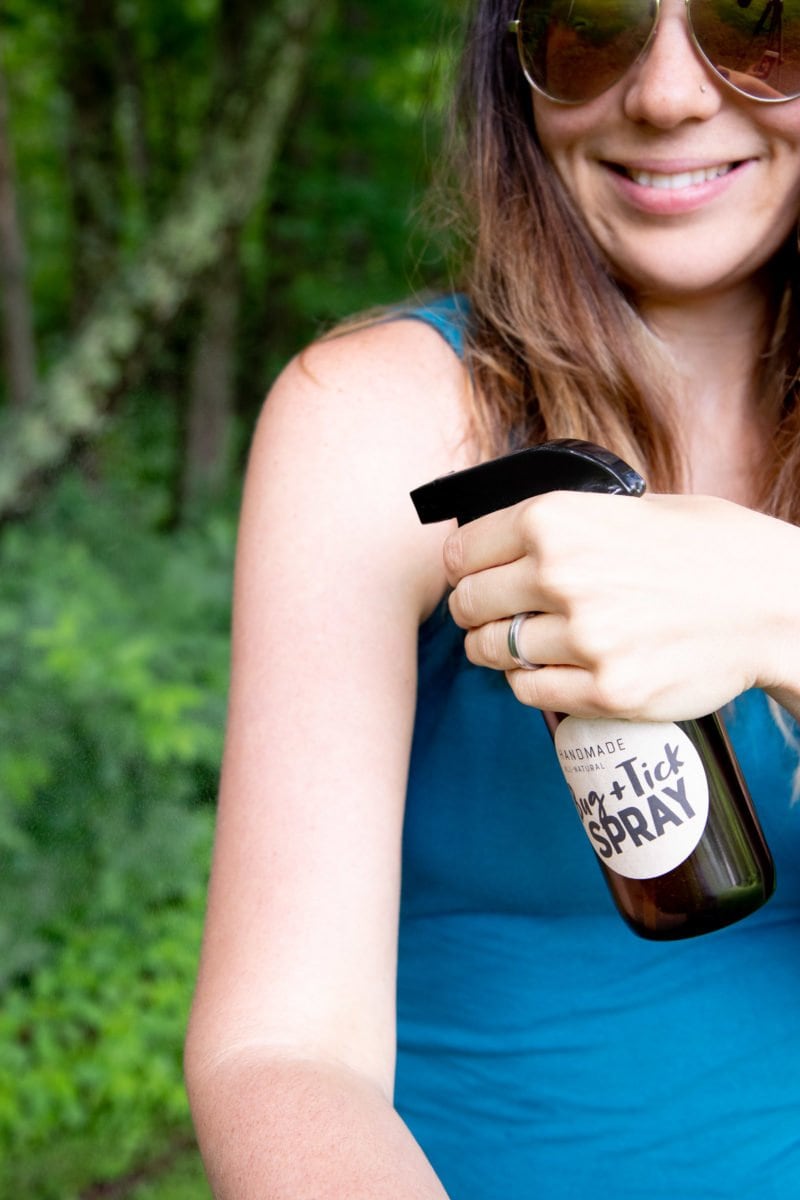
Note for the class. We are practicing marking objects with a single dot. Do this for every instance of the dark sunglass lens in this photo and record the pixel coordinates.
(574, 49)
(753, 44)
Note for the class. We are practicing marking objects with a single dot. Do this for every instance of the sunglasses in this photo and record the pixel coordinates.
(573, 50)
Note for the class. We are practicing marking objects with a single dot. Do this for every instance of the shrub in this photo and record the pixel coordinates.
(91, 1049)
(113, 670)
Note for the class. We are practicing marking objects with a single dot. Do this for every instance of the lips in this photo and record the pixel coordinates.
(673, 188)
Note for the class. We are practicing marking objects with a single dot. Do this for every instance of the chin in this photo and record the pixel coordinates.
(674, 284)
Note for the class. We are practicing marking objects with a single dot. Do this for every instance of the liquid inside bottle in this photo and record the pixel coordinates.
(668, 814)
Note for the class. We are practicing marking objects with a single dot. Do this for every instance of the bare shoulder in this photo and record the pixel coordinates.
(395, 379)
(352, 425)
(386, 356)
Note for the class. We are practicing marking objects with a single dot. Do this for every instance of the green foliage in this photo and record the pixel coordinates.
(113, 668)
(183, 1179)
(342, 225)
(115, 603)
(160, 56)
(90, 1051)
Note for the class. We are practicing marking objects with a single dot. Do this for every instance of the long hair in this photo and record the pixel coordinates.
(556, 348)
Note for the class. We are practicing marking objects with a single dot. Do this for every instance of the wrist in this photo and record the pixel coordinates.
(775, 579)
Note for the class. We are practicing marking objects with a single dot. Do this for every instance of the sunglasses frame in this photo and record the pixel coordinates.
(515, 27)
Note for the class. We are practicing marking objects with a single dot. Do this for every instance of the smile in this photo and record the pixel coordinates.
(677, 180)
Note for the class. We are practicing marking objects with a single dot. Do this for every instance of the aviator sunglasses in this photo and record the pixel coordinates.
(572, 50)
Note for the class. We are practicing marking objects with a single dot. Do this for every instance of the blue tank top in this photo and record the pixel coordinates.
(544, 1051)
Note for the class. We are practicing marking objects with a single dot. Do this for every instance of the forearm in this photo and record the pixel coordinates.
(297, 1130)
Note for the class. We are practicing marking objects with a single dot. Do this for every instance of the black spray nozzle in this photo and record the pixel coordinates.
(567, 465)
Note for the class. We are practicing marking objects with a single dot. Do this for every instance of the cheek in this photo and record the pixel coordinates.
(553, 126)
(783, 121)
(779, 126)
(557, 123)
(565, 131)
(564, 151)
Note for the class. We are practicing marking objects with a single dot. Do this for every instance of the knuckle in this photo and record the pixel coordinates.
(619, 690)
(523, 685)
(550, 579)
(544, 514)
(552, 566)
(464, 601)
(590, 641)
(453, 555)
(472, 648)
(484, 644)
(533, 522)
(495, 641)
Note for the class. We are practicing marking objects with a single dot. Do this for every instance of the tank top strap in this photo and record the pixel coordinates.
(448, 315)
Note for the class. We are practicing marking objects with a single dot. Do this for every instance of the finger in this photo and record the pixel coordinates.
(560, 689)
(573, 690)
(488, 541)
(583, 692)
(514, 648)
(496, 593)
(541, 639)
(523, 529)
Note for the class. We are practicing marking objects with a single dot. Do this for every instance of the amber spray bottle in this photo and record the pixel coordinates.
(664, 804)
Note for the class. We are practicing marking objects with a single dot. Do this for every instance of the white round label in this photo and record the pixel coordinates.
(640, 790)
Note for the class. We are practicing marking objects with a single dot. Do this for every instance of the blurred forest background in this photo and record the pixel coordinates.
(190, 190)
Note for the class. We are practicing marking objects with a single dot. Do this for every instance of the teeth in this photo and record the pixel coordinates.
(682, 179)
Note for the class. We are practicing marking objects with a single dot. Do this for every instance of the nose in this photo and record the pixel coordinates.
(671, 83)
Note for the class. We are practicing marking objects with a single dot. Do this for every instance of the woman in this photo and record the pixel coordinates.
(632, 283)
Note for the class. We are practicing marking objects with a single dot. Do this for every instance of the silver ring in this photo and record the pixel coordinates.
(513, 647)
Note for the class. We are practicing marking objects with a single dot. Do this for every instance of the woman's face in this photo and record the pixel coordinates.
(687, 187)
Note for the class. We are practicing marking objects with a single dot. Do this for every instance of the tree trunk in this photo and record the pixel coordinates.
(94, 165)
(215, 198)
(211, 400)
(17, 313)
(135, 145)
(212, 387)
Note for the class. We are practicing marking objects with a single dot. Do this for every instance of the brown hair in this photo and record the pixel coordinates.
(555, 347)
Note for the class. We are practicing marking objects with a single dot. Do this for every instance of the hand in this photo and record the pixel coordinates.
(661, 608)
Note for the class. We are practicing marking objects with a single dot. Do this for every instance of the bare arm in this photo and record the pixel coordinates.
(290, 1053)
(294, 1129)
